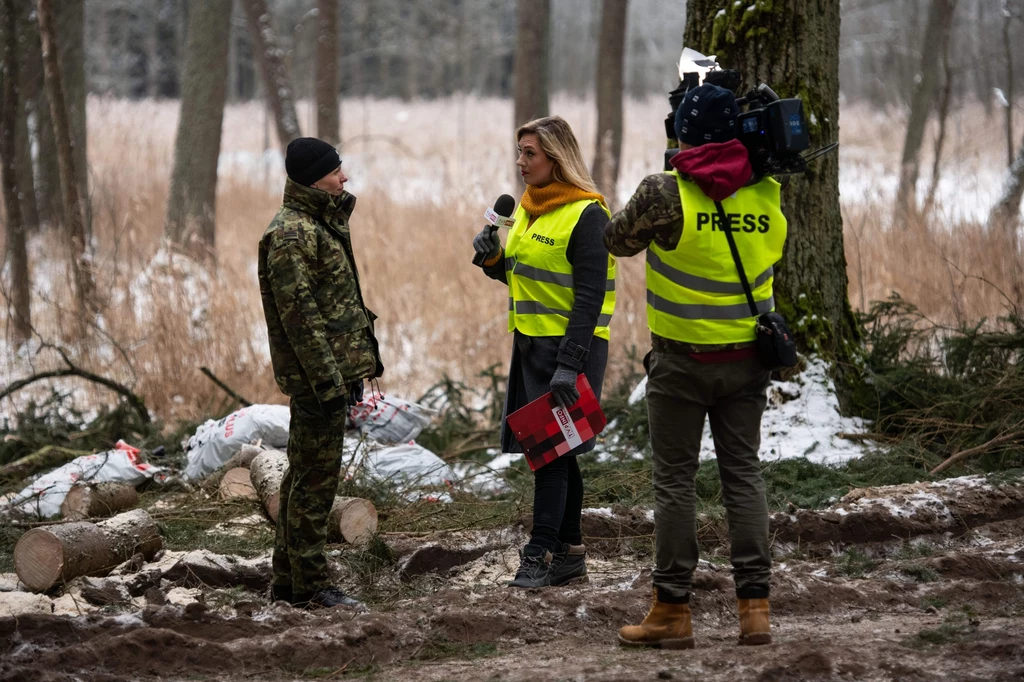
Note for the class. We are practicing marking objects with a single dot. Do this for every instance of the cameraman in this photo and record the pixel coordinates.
(702, 363)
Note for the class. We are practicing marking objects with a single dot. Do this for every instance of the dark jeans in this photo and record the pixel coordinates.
(681, 394)
(557, 503)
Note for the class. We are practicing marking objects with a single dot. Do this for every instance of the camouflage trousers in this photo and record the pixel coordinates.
(307, 493)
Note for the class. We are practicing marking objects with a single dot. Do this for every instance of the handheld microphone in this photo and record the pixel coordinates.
(497, 217)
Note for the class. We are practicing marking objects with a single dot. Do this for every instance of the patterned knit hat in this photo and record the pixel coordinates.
(707, 114)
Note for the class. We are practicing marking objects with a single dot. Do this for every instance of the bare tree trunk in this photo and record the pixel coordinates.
(940, 139)
(69, 31)
(530, 71)
(74, 220)
(1008, 49)
(811, 283)
(270, 58)
(30, 64)
(23, 160)
(1005, 215)
(191, 207)
(15, 232)
(327, 109)
(940, 16)
(611, 56)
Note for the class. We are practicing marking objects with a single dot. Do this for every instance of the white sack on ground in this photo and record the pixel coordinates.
(215, 442)
(406, 467)
(44, 496)
(387, 419)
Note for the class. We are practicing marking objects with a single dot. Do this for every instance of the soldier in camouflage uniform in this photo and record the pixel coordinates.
(322, 347)
(703, 365)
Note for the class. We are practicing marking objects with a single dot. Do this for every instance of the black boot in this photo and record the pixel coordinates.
(280, 593)
(568, 565)
(327, 598)
(534, 564)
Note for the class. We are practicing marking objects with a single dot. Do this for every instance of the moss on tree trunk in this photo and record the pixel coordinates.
(793, 45)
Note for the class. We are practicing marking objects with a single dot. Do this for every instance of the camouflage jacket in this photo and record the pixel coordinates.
(654, 214)
(321, 333)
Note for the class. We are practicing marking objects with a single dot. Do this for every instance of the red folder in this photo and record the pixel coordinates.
(546, 431)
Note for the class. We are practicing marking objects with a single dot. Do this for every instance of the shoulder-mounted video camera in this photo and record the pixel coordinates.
(774, 130)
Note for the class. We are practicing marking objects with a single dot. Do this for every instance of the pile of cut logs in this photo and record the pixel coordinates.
(54, 554)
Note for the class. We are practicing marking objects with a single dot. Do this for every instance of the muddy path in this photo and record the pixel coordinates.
(943, 602)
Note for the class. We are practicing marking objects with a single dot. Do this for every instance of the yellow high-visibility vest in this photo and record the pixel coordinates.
(694, 294)
(539, 274)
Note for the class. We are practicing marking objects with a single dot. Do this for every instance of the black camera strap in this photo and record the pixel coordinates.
(736, 257)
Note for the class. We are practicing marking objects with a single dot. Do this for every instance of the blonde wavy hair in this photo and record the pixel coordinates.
(558, 142)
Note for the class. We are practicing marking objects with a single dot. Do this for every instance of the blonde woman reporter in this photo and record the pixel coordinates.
(561, 297)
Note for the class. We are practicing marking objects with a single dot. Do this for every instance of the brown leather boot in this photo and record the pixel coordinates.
(666, 626)
(754, 626)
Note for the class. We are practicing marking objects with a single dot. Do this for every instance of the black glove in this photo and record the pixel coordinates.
(355, 392)
(563, 386)
(486, 244)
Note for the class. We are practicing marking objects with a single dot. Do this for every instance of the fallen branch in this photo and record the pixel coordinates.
(224, 387)
(74, 371)
(963, 454)
(46, 457)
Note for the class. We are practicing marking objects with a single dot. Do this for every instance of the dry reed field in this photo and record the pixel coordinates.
(424, 172)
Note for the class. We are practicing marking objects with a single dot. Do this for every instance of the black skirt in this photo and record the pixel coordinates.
(529, 377)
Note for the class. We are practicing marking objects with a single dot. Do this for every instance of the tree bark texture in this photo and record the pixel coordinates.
(610, 64)
(328, 112)
(793, 45)
(1005, 215)
(533, 45)
(17, 253)
(23, 137)
(936, 35)
(90, 500)
(67, 162)
(1008, 51)
(30, 62)
(191, 207)
(270, 58)
(55, 554)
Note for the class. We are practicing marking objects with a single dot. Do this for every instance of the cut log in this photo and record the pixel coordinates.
(54, 554)
(266, 471)
(88, 500)
(243, 458)
(236, 484)
(352, 519)
(240, 460)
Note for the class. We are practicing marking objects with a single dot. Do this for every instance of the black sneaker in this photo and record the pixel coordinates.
(327, 598)
(534, 564)
(568, 565)
(280, 593)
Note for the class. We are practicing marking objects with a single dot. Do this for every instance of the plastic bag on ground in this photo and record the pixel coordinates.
(215, 442)
(406, 468)
(387, 419)
(44, 496)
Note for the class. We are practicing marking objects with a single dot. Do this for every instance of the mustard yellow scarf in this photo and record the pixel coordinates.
(537, 201)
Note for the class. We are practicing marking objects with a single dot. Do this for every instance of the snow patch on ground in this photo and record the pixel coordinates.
(802, 420)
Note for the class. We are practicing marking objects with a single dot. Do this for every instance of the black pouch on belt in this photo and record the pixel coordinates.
(774, 343)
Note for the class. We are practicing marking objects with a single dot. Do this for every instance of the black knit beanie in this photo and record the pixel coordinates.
(309, 159)
(707, 114)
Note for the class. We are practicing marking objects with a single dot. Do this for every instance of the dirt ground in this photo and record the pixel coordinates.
(942, 598)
